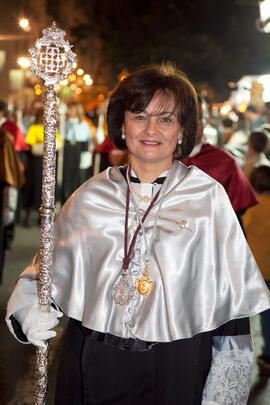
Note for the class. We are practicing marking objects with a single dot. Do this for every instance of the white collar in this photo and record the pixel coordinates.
(163, 174)
(2, 121)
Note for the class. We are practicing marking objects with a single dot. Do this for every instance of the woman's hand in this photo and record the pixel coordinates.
(37, 325)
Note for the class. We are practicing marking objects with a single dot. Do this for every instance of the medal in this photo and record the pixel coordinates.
(144, 285)
(123, 291)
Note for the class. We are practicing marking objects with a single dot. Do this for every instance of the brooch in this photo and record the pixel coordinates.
(183, 225)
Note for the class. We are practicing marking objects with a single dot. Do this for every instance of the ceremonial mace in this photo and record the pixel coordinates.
(52, 61)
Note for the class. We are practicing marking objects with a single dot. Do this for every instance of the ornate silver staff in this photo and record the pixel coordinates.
(52, 60)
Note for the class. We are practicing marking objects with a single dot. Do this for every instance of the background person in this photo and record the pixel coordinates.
(11, 179)
(256, 157)
(78, 138)
(220, 165)
(257, 226)
(254, 118)
(150, 265)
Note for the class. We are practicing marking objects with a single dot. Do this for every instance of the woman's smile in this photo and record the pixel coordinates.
(152, 134)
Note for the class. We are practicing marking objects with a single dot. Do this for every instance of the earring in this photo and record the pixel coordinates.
(180, 141)
(123, 136)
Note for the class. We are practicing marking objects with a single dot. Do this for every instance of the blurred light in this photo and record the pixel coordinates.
(38, 92)
(264, 81)
(23, 62)
(24, 24)
(72, 77)
(2, 60)
(100, 97)
(16, 79)
(75, 64)
(79, 82)
(88, 80)
(225, 109)
(37, 86)
(78, 91)
(73, 86)
(80, 72)
(64, 82)
(264, 9)
(263, 24)
(232, 85)
(242, 108)
(122, 77)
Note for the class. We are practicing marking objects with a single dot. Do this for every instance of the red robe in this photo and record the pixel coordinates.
(106, 146)
(220, 165)
(18, 136)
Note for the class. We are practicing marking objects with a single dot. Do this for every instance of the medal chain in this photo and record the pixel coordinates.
(127, 251)
(123, 291)
(146, 272)
(141, 197)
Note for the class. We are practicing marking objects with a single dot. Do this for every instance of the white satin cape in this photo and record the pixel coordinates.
(203, 271)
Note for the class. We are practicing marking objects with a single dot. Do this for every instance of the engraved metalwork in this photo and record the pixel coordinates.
(52, 60)
(123, 291)
(52, 57)
(144, 285)
(143, 198)
(41, 374)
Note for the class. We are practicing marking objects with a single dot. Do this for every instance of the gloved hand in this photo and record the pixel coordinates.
(36, 324)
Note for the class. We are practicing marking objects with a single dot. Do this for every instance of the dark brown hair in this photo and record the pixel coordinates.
(39, 116)
(258, 140)
(135, 92)
(260, 179)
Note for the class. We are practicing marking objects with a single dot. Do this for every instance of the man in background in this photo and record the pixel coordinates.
(220, 165)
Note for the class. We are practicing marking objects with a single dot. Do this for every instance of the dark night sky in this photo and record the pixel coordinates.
(214, 42)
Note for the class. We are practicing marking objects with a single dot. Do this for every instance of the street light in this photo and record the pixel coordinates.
(263, 23)
(88, 80)
(23, 62)
(80, 72)
(24, 24)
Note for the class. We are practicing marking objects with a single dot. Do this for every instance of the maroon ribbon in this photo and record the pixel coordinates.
(127, 251)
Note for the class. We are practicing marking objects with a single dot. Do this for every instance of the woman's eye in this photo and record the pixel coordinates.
(140, 117)
(165, 120)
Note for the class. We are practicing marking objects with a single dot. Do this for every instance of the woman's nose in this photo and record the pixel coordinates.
(151, 127)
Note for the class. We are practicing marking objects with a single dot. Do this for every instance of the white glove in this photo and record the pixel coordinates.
(36, 324)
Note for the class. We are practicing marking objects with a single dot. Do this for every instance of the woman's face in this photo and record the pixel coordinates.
(72, 111)
(152, 135)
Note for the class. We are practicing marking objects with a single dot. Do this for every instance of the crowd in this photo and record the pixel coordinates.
(85, 150)
(234, 150)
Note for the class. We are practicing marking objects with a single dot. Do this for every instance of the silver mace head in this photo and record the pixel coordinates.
(52, 58)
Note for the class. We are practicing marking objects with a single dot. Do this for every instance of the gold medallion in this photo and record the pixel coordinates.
(144, 285)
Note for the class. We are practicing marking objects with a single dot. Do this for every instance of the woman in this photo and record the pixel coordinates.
(151, 266)
(257, 228)
(78, 137)
(11, 179)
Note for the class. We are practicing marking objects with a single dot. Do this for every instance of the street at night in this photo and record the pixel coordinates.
(135, 161)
